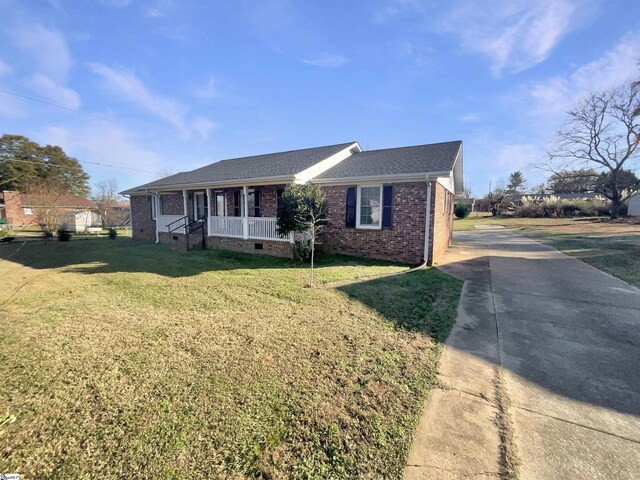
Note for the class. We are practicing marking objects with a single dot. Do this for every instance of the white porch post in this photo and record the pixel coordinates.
(208, 211)
(245, 217)
(184, 198)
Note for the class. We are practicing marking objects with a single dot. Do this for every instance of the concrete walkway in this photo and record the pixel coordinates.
(541, 374)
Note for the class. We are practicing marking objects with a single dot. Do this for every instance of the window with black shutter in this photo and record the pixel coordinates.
(279, 194)
(387, 206)
(236, 204)
(350, 216)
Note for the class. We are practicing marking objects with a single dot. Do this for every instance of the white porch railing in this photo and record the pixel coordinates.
(226, 227)
(165, 220)
(255, 228)
(264, 228)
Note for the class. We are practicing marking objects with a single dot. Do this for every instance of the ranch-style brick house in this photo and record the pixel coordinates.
(391, 204)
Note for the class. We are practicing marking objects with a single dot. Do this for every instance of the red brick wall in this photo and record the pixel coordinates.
(143, 227)
(14, 212)
(172, 204)
(402, 243)
(277, 249)
(442, 220)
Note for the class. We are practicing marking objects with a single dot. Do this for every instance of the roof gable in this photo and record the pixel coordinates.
(272, 165)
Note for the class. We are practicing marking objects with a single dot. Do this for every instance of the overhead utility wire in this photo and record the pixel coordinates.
(81, 161)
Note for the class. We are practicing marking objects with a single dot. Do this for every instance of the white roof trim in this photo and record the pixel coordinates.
(324, 165)
(250, 182)
(399, 178)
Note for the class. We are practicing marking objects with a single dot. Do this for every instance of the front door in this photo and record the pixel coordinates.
(199, 205)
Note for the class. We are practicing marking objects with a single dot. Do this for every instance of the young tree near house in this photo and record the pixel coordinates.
(603, 132)
(303, 209)
(25, 164)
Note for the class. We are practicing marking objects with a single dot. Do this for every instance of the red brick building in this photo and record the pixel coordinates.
(392, 204)
(19, 210)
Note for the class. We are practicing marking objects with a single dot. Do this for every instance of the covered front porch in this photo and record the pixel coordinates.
(246, 212)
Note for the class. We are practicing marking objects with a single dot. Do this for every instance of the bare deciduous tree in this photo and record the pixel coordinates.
(46, 199)
(602, 132)
(106, 197)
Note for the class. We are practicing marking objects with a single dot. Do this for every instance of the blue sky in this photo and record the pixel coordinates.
(173, 85)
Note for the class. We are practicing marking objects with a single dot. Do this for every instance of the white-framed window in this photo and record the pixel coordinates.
(28, 211)
(369, 207)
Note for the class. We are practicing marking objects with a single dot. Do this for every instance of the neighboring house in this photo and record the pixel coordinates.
(634, 205)
(19, 211)
(393, 204)
(116, 214)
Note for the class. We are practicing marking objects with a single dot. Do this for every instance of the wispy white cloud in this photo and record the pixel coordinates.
(554, 96)
(116, 3)
(326, 60)
(203, 126)
(5, 69)
(126, 86)
(421, 55)
(207, 92)
(53, 91)
(518, 155)
(104, 142)
(516, 35)
(46, 46)
(469, 117)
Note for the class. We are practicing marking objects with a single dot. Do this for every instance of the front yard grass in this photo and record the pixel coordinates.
(126, 360)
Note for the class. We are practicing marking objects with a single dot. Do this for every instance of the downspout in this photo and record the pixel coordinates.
(155, 199)
(427, 223)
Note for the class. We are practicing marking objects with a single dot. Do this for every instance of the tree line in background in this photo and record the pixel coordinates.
(49, 175)
(26, 166)
(594, 153)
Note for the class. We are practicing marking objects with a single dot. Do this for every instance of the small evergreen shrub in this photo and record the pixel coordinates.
(113, 233)
(64, 235)
(462, 210)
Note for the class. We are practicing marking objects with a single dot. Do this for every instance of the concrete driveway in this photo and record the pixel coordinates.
(541, 374)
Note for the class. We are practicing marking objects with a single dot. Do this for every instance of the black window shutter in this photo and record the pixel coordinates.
(256, 203)
(236, 204)
(350, 217)
(387, 206)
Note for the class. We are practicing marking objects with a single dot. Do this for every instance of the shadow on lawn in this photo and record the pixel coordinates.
(126, 255)
(424, 301)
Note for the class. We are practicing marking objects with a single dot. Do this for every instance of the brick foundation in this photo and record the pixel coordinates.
(277, 249)
(178, 241)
